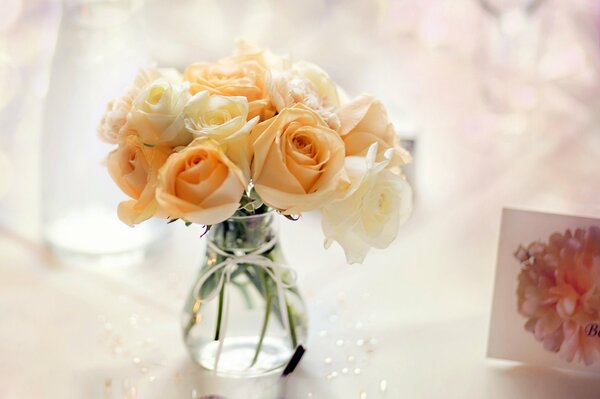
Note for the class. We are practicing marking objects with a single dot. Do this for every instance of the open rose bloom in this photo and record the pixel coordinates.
(255, 132)
(559, 293)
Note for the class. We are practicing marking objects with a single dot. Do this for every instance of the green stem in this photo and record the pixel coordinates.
(263, 330)
(258, 285)
(290, 314)
(220, 312)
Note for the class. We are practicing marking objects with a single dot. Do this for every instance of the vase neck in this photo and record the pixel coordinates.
(245, 234)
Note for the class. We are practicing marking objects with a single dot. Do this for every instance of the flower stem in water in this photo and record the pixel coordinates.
(220, 312)
(290, 314)
(263, 330)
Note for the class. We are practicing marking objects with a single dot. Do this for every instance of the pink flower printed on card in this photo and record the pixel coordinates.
(559, 293)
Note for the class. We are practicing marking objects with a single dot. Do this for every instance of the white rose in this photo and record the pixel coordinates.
(223, 119)
(371, 212)
(325, 88)
(157, 114)
(305, 83)
(117, 110)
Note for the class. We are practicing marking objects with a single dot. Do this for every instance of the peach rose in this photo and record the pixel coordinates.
(298, 160)
(234, 76)
(157, 114)
(223, 119)
(248, 51)
(364, 121)
(134, 167)
(200, 184)
(117, 110)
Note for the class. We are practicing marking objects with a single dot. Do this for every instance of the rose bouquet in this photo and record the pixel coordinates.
(229, 145)
(559, 293)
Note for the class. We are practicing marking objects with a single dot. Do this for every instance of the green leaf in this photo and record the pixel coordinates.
(254, 195)
(251, 204)
(172, 220)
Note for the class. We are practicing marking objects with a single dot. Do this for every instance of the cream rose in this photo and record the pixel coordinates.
(364, 121)
(157, 114)
(117, 110)
(374, 206)
(200, 184)
(134, 167)
(236, 76)
(223, 119)
(298, 160)
(306, 84)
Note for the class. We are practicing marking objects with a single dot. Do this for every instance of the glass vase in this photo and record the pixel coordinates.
(245, 315)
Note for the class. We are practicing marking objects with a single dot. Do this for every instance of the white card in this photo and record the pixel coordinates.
(546, 308)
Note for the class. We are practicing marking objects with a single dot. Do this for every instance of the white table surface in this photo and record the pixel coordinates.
(421, 307)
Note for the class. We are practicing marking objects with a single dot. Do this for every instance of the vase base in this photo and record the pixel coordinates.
(237, 356)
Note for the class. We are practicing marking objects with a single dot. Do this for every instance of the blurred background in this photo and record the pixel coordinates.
(486, 74)
(478, 72)
(499, 99)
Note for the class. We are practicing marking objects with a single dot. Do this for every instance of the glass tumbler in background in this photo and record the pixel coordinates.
(99, 50)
